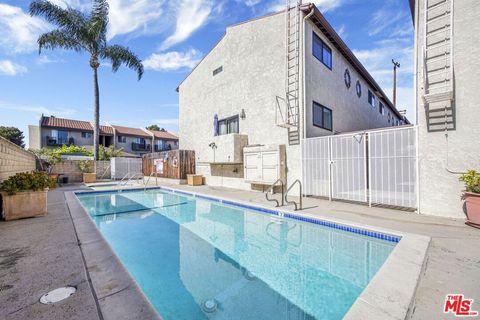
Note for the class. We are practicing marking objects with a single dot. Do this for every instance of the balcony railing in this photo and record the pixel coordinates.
(162, 148)
(140, 147)
(56, 142)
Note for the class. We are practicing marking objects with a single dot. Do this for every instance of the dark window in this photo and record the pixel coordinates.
(347, 78)
(321, 51)
(122, 139)
(381, 108)
(87, 135)
(228, 125)
(322, 116)
(371, 98)
(218, 70)
(358, 87)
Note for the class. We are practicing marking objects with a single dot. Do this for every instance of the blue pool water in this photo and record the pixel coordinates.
(184, 251)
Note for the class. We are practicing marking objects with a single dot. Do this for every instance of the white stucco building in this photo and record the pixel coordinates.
(269, 90)
(447, 57)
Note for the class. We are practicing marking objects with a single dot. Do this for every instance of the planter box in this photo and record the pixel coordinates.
(89, 177)
(472, 201)
(24, 205)
(194, 180)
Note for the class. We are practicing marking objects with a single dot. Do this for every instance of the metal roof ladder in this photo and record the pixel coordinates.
(438, 75)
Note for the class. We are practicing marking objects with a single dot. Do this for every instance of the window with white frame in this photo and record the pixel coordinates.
(228, 125)
(381, 108)
(122, 139)
(87, 135)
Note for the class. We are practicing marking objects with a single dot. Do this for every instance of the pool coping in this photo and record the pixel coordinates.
(117, 292)
(389, 294)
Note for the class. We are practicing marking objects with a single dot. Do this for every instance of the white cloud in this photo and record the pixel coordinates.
(19, 31)
(191, 15)
(10, 68)
(126, 16)
(172, 60)
(251, 3)
(63, 112)
(342, 32)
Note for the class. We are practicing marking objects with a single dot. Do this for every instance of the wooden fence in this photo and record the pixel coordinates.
(173, 164)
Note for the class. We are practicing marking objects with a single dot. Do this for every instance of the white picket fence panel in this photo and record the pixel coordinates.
(376, 167)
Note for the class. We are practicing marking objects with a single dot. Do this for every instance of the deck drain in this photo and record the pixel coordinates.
(209, 306)
(57, 295)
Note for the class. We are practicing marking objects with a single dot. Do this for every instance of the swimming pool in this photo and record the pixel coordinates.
(200, 258)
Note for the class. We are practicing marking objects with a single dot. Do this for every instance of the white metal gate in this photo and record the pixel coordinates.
(377, 166)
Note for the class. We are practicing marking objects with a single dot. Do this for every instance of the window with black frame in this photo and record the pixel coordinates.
(228, 125)
(322, 116)
(321, 51)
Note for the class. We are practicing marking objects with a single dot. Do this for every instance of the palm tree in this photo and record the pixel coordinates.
(88, 33)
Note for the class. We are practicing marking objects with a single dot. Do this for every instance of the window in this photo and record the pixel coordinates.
(321, 51)
(122, 139)
(218, 70)
(381, 108)
(322, 116)
(347, 78)
(139, 140)
(228, 125)
(371, 98)
(359, 88)
(388, 117)
(87, 135)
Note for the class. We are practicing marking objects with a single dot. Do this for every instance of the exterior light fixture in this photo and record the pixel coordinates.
(242, 114)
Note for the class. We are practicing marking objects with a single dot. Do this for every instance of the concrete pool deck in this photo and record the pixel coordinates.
(38, 255)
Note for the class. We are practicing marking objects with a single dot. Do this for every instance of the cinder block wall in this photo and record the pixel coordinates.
(14, 159)
(70, 169)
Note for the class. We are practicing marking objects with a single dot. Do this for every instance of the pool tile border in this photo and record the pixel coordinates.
(281, 213)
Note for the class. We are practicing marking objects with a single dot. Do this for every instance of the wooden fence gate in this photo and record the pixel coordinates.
(173, 164)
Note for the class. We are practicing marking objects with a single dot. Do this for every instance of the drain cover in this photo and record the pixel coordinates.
(57, 295)
(209, 306)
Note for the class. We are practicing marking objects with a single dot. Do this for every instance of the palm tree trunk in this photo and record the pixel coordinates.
(96, 114)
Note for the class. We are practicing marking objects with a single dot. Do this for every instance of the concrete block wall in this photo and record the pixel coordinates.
(70, 169)
(14, 159)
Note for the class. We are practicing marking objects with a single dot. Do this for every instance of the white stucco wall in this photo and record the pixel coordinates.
(440, 190)
(327, 87)
(252, 55)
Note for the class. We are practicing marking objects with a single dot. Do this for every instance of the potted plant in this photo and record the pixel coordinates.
(472, 196)
(24, 195)
(86, 167)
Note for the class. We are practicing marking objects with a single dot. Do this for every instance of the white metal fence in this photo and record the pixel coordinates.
(121, 166)
(377, 166)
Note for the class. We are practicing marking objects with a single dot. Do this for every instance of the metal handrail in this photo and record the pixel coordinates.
(124, 177)
(130, 179)
(294, 202)
(148, 180)
(104, 172)
(271, 188)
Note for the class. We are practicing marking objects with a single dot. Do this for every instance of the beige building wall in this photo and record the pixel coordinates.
(252, 55)
(442, 158)
(14, 159)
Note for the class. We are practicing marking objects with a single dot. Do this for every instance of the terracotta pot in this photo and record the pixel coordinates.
(472, 201)
(24, 205)
(89, 177)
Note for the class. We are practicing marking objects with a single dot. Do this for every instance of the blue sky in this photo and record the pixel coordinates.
(171, 37)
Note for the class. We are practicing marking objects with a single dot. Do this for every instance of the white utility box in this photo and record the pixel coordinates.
(264, 164)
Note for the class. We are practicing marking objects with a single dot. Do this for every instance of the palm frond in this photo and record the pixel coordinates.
(97, 25)
(69, 20)
(58, 39)
(119, 55)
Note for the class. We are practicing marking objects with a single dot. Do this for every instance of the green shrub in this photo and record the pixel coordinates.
(55, 155)
(472, 181)
(106, 154)
(85, 166)
(27, 181)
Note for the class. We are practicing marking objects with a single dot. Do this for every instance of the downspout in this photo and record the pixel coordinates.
(304, 90)
(304, 131)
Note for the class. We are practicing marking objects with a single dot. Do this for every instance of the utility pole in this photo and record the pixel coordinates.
(395, 66)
